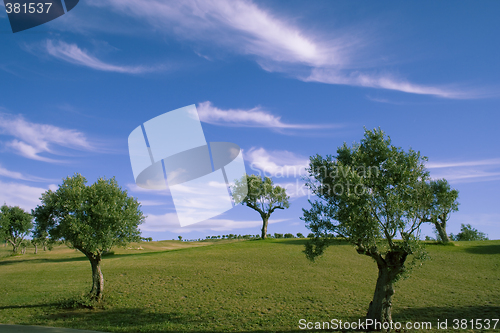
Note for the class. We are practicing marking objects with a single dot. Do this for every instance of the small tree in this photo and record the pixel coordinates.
(468, 233)
(91, 219)
(444, 202)
(15, 225)
(370, 194)
(262, 196)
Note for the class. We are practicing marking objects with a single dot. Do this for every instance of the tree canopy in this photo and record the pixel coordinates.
(444, 202)
(91, 219)
(372, 194)
(15, 225)
(262, 195)
(468, 233)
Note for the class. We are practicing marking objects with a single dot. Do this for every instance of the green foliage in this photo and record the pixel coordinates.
(300, 235)
(92, 218)
(374, 195)
(261, 195)
(468, 233)
(444, 198)
(15, 225)
(289, 235)
(444, 201)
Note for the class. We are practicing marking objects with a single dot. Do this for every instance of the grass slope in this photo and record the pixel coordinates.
(251, 286)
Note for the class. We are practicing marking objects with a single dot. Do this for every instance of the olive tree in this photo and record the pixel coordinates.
(372, 194)
(444, 202)
(468, 233)
(91, 219)
(15, 225)
(262, 196)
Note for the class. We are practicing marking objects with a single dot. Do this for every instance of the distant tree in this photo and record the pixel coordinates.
(310, 235)
(91, 219)
(468, 233)
(15, 225)
(276, 235)
(41, 238)
(289, 235)
(262, 195)
(370, 194)
(180, 238)
(444, 202)
(300, 235)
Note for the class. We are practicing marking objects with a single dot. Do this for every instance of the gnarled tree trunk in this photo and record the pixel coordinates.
(381, 305)
(97, 280)
(265, 221)
(97, 290)
(441, 229)
(15, 246)
(389, 268)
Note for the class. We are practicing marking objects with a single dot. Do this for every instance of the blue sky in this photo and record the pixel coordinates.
(284, 80)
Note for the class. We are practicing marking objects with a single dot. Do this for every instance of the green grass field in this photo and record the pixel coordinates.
(244, 286)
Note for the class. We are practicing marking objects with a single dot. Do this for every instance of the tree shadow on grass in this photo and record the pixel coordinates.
(41, 260)
(133, 320)
(83, 258)
(303, 241)
(432, 314)
(29, 306)
(483, 249)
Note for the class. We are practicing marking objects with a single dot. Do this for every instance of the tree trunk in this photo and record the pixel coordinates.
(389, 268)
(97, 278)
(14, 246)
(380, 307)
(36, 248)
(265, 221)
(441, 228)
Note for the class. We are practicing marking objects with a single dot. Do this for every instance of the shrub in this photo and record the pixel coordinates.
(289, 235)
(300, 235)
(468, 233)
(278, 235)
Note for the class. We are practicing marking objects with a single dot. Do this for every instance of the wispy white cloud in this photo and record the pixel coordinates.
(170, 222)
(276, 42)
(278, 164)
(466, 171)
(32, 139)
(255, 117)
(240, 24)
(385, 81)
(20, 176)
(73, 54)
(16, 194)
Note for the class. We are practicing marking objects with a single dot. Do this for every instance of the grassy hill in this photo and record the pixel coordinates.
(250, 286)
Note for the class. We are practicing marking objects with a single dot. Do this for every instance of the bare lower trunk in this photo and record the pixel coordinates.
(15, 246)
(97, 280)
(36, 249)
(97, 290)
(265, 221)
(380, 307)
(389, 268)
(441, 229)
